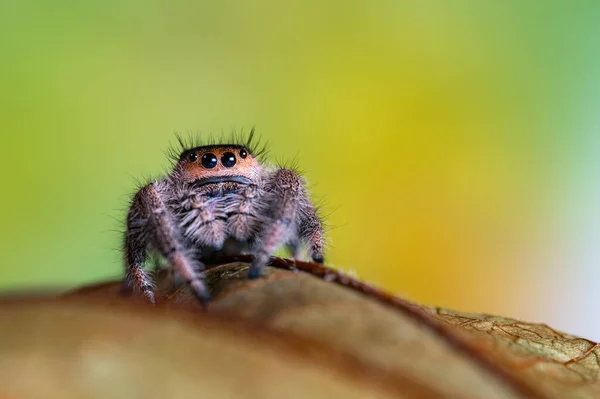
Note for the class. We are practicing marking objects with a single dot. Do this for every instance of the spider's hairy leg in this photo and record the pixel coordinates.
(135, 248)
(286, 192)
(166, 238)
(310, 231)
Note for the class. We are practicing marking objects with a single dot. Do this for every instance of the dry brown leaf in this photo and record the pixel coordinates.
(307, 334)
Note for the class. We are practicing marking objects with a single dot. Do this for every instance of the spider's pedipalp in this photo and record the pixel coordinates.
(204, 221)
(243, 213)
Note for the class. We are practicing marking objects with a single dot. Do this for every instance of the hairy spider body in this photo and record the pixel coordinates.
(218, 198)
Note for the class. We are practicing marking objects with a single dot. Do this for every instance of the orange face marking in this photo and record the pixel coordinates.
(216, 161)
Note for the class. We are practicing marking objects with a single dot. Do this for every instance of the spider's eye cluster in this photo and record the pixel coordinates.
(209, 161)
(228, 159)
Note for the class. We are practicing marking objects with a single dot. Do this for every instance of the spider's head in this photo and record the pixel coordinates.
(219, 163)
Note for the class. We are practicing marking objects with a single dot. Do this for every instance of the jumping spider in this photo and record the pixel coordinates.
(218, 198)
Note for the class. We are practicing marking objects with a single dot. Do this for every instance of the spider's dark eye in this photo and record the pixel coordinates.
(243, 153)
(228, 159)
(209, 161)
(193, 157)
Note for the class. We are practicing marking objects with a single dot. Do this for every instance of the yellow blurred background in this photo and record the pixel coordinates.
(454, 144)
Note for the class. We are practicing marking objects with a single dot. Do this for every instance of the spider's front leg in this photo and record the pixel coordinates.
(291, 219)
(155, 226)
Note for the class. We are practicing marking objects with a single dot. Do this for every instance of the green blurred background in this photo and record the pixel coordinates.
(454, 143)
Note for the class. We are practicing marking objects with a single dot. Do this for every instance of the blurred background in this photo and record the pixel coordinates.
(455, 145)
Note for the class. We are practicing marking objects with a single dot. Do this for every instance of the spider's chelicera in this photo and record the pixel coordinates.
(218, 199)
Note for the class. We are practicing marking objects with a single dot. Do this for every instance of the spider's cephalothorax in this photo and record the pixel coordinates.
(218, 198)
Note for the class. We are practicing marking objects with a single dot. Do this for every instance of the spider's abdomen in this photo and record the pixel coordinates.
(210, 214)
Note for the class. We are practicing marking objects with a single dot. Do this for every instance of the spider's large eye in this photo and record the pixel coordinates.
(193, 157)
(228, 159)
(243, 153)
(209, 161)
